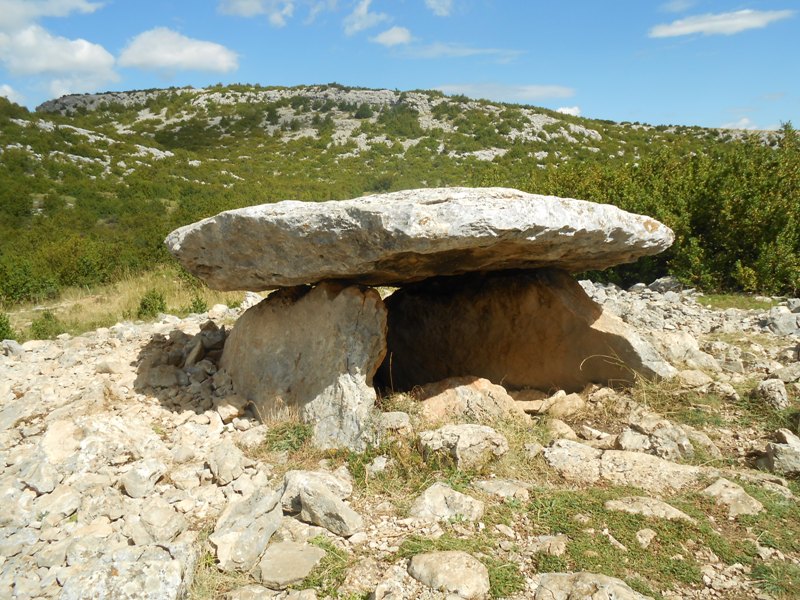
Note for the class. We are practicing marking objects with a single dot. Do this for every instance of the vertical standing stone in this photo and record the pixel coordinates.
(313, 350)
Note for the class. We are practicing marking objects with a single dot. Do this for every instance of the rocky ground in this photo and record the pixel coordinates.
(130, 469)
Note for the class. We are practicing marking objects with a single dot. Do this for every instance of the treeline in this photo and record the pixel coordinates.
(734, 206)
(735, 211)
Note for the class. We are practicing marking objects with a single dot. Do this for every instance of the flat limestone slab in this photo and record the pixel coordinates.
(408, 236)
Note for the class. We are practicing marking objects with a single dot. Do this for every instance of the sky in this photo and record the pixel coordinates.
(713, 63)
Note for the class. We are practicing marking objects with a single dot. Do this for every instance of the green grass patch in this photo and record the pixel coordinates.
(779, 579)
(289, 436)
(328, 576)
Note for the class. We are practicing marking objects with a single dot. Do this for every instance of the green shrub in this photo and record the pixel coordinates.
(198, 305)
(364, 112)
(152, 303)
(46, 327)
(6, 331)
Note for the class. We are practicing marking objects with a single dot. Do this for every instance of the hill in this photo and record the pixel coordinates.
(90, 184)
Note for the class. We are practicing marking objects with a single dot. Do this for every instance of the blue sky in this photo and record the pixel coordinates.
(713, 63)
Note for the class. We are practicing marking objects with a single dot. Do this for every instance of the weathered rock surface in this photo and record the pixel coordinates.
(409, 236)
(467, 397)
(572, 586)
(773, 393)
(314, 351)
(244, 529)
(648, 507)
(286, 563)
(783, 456)
(452, 572)
(581, 463)
(338, 482)
(320, 506)
(522, 330)
(441, 502)
(468, 446)
(733, 496)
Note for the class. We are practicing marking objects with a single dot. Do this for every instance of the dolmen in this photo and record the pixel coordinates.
(483, 288)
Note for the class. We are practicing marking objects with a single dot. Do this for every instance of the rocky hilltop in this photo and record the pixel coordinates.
(129, 470)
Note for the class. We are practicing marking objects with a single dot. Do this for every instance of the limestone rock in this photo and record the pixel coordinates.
(504, 488)
(320, 506)
(773, 392)
(314, 351)
(244, 528)
(286, 563)
(553, 545)
(409, 236)
(226, 462)
(338, 482)
(561, 405)
(572, 586)
(734, 497)
(648, 507)
(440, 502)
(123, 580)
(142, 476)
(783, 456)
(467, 397)
(452, 572)
(468, 446)
(536, 329)
(580, 463)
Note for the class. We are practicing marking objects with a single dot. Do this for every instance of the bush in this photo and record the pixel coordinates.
(6, 332)
(198, 305)
(152, 303)
(364, 112)
(46, 327)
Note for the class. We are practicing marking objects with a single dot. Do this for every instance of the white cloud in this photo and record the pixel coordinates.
(17, 14)
(393, 37)
(743, 123)
(78, 64)
(318, 7)
(676, 6)
(509, 93)
(8, 92)
(447, 50)
(440, 8)
(278, 11)
(575, 111)
(361, 18)
(162, 49)
(721, 23)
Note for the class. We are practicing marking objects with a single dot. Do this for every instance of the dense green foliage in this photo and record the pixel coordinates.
(6, 331)
(152, 303)
(89, 197)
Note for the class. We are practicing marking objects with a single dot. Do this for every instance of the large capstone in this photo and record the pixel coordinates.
(534, 329)
(409, 236)
(313, 351)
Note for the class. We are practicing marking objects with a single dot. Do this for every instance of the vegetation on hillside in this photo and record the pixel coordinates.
(87, 197)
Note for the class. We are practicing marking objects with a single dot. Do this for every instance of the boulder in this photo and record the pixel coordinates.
(314, 351)
(733, 496)
(773, 392)
(321, 506)
(468, 446)
(647, 507)
(244, 529)
(535, 329)
(408, 236)
(467, 397)
(451, 572)
(440, 502)
(287, 563)
(571, 586)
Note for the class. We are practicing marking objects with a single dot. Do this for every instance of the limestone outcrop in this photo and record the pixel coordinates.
(408, 236)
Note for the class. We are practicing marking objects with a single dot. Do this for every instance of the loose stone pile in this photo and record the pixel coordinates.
(122, 448)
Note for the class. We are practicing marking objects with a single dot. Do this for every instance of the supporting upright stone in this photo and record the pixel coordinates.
(520, 329)
(313, 350)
